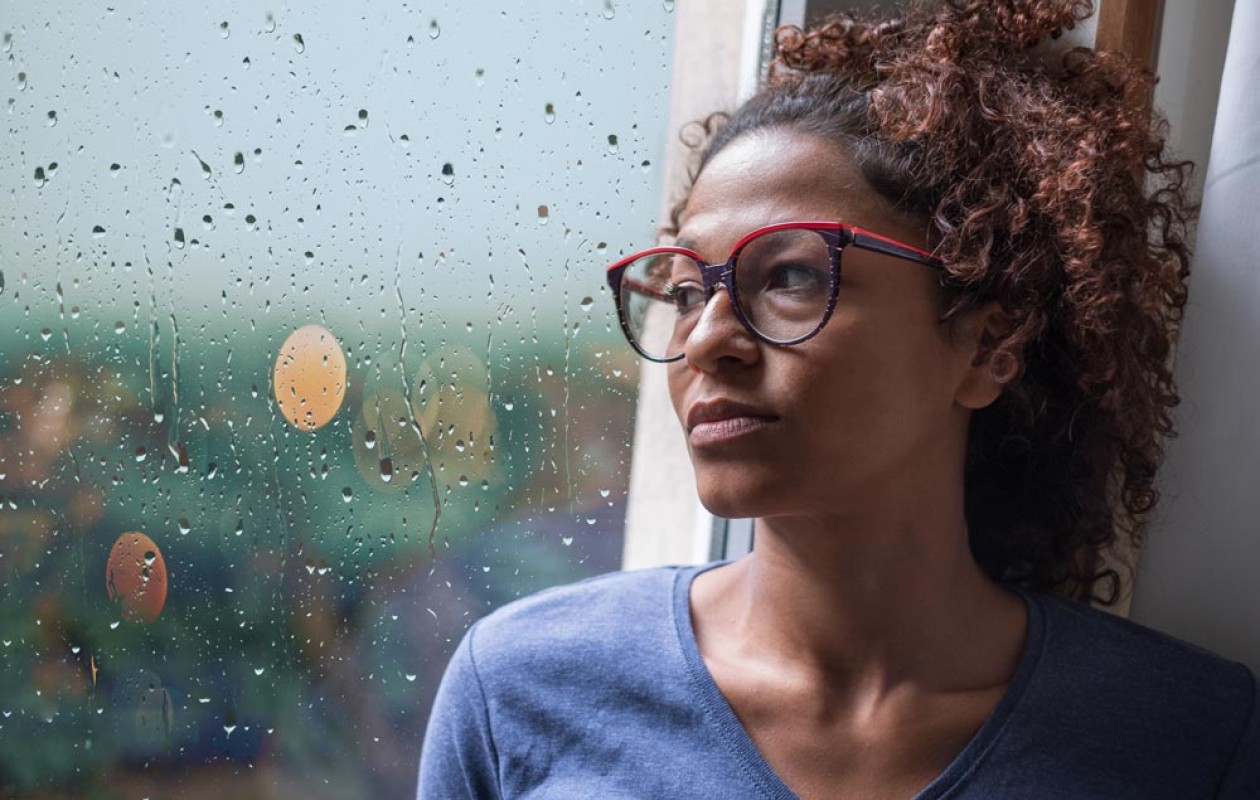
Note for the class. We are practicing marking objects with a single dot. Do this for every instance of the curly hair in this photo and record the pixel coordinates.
(1032, 167)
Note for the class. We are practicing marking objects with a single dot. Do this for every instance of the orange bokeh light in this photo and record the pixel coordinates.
(135, 577)
(310, 377)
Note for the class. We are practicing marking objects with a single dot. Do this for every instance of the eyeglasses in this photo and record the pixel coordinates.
(782, 280)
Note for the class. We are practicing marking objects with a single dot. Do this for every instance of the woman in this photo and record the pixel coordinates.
(932, 362)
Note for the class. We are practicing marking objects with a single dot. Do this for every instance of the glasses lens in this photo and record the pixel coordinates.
(661, 297)
(784, 282)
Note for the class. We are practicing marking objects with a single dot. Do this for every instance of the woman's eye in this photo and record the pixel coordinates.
(686, 296)
(796, 278)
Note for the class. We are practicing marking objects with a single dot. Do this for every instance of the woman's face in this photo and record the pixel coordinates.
(867, 409)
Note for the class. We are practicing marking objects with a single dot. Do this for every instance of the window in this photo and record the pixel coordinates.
(308, 363)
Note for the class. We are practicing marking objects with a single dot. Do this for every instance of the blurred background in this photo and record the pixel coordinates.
(236, 550)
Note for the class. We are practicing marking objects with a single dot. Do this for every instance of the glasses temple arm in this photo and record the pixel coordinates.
(878, 244)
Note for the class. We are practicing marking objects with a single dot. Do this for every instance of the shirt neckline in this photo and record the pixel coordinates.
(759, 771)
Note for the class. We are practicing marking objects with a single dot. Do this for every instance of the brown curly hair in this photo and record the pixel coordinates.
(1032, 168)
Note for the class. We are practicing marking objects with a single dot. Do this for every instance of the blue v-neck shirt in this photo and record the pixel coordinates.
(598, 690)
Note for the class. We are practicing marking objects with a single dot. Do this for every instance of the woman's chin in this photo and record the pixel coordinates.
(732, 502)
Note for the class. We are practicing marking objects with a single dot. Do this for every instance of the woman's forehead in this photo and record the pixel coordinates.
(778, 176)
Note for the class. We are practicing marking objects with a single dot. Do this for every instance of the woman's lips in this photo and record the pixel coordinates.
(720, 431)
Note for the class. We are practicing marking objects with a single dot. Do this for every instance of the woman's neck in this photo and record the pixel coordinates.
(863, 607)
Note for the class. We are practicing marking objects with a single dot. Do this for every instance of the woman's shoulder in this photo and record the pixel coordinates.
(1133, 711)
(600, 618)
(1112, 648)
(1138, 683)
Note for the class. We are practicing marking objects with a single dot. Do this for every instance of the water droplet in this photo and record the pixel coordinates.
(544, 214)
(239, 161)
(463, 480)
(119, 328)
(411, 677)
(141, 454)
(223, 30)
(45, 334)
(387, 469)
(369, 439)
(568, 540)
(40, 178)
(448, 173)
(347, 494)
(549, 113)
(587, 303)
(98, 231)
(610, 11)
(228, 729)
(612, 142)
(605, 492)
(52, 118)
(184, 526)
(668, 5)
(435, 30)
(298, 43)
(259, 670)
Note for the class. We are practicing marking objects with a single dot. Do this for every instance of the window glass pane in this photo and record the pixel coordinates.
(308, 362)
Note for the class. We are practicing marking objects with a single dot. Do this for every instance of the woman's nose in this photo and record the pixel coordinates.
(719, 336)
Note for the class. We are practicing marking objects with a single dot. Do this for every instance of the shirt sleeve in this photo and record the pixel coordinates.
(1242, 780)
(458, 759)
